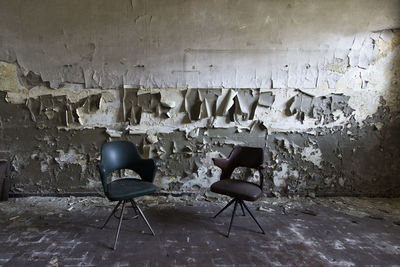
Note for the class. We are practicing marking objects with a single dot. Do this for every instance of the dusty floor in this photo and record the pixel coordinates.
(44, 231)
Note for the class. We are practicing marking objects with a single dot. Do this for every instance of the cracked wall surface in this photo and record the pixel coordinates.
(315, 83)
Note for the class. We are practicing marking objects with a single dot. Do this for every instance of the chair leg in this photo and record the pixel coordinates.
(252, 216)
(135, 210)
(119, 225)
(241, 206)
(227, 205)
(112, 213)
(142, 215)
(233, 216)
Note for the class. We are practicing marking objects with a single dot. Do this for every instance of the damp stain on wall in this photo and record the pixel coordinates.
(327, 117)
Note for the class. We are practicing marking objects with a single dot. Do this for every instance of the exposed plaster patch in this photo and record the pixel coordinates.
(44, 164)
(93, 184)
(152, 137)
(17, 163)
(9, 80)
(167, 100)
(18, 94)
(312, 154)
(206, 174)
(114, 133)
(283, 173)
(320, 108)
(71, 157)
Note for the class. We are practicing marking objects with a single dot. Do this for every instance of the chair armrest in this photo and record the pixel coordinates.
(221, 163)
(261, 168)
(148, 169)
(103, 176)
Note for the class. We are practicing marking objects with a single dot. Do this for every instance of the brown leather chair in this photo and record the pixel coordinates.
(241, 156)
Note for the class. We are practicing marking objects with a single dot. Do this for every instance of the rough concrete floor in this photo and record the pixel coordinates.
(303, 232)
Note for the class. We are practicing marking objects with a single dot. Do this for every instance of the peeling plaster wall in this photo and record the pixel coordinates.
(316, 83)
(200, 44)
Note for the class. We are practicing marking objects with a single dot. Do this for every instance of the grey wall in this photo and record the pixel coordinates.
(201, 44)
(316, 83)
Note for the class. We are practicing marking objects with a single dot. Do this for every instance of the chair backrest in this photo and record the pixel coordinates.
(119, 155)
(244, 156)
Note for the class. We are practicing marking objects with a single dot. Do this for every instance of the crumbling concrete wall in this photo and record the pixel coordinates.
(314, 83)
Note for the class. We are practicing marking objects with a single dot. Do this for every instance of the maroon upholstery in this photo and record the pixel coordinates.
(237, 189)
(250, 157)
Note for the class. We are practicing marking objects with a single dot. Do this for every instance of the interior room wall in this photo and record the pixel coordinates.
(316, 83)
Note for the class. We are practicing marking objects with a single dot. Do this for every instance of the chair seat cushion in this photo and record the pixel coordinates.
(237, 189)
(127, 188)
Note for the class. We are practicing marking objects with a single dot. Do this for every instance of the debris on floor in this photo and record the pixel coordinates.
(51, 231)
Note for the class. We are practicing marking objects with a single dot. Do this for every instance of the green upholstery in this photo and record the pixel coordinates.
(119, 155)
(123, 189)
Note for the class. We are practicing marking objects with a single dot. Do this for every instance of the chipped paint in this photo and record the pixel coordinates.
(318, 107)
(310, 153)
(284, 173)
(71, 157)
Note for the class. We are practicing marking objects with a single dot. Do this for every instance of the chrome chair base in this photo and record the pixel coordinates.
(137, 210)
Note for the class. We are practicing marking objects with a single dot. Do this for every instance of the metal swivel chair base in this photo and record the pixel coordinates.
(242, 204)
(137, 210)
